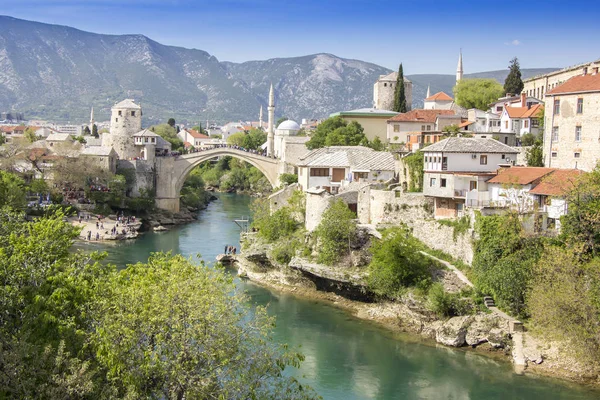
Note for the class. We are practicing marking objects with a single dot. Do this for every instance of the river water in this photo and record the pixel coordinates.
(347, 358)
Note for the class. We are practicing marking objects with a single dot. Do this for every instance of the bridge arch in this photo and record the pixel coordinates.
(172, 176)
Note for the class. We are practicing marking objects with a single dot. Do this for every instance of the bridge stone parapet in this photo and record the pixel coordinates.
(171, 172)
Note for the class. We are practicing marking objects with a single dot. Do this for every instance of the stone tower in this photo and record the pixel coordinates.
(384, 89)
(125, 121)
(271, 130)
(459, 68)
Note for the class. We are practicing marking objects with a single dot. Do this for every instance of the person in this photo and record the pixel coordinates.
(97, 225)
(225, 251)
(89, 235)
(97, 236)
(234, 250)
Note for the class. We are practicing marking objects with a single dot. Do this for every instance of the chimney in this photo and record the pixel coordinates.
(523, 99)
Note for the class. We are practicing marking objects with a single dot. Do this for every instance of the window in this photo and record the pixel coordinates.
(503, 156)
(472, 185)
(526, 123)
(422, 127)
(116, 119)
(554, 154)
(120, 113)
(505, 139)
(556, 106)
(577, 155)
(153, 140)
(428, 127)
(426, 159)
(319, 172)
(146, 140)
(579, 106)
(431, 182)
(385, 85)
(133, 113)
(535, 122)
(396, 128)
(578, 134)
(498, 108)
(555, 133)
(505, 124)
(442, 182)
(483, 159)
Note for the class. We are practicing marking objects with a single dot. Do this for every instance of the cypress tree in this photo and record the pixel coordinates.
(513, 83)
(399, 95)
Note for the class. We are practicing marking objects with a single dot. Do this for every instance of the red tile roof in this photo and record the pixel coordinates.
(559, 183)
(420, 116)
(520, 175)
(466, 123)
(439, 96)
(196, 134)
(524, 112)
(580, 83)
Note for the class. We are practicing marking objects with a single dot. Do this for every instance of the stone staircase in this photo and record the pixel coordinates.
(489, 302)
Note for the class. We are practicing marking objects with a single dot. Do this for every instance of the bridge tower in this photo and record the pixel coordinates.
(271, 131)
(125, 121)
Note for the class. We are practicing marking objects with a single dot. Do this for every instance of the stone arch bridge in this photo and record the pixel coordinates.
(171, 172)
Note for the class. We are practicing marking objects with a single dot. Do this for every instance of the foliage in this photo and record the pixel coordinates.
(414, 163)
(277, 225)
(169, 133)
(95, 131)
(236, 139)
(504, 259)
(30, 135)
(460, 226)
(447, 304)
(192, 192)
(142, 203)
(80, 139)
(513, 83)
(288, 179)
(565, 300)
(528, 139)
(2, 140)
(12, 191)
(336, 131)
(335, 232)
(535, 155)
(581, 226)
(397, 263)
(451, 130)
(254, 139)
(376, 144)
(399, 95)
(477, 93)
(86, 131)
(171, 122)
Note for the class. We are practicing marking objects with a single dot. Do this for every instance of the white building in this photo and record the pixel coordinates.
(483, 121)
(456, 169)
(521, 120)
(438, 101)
(332, 167)
(285, 130)
(191, 137)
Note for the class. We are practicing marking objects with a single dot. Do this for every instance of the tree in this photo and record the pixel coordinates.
(172, 329)
(237, 139)
(12, 191)
(513, 84)
(169, 133)
(30, 135)
(254, 139)
(336, 131)
(336, 232)
(280, 120)
(86, 131)
(376, 144)
(171, 122)
(477, 93)
(2, 140)
(95, 131)
(451, 130)
(399, 95)
(535, 155)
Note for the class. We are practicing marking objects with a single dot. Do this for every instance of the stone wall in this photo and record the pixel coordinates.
(280, 198)
(317, 201)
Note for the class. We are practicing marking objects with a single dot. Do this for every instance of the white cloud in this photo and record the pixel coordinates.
(515, 42)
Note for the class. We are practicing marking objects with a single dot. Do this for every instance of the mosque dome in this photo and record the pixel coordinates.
(289, 125)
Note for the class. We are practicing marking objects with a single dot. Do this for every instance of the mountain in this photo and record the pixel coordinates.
(58, 73)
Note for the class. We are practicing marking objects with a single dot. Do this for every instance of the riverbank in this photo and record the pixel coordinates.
(482, 333)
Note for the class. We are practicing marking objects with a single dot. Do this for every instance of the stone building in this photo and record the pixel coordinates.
(383, 92)
(539, 85)
(399, 126)
(572, 123)
(125, 121)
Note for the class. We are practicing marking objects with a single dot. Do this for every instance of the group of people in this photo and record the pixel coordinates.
(201, 149)
(230, 250)
(125, 222)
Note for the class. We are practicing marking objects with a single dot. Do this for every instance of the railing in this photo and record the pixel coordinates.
(460, 193)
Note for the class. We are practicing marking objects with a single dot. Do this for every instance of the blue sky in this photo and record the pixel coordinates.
(424, 35)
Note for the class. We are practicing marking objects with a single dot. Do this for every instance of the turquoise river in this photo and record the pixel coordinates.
(347, 358)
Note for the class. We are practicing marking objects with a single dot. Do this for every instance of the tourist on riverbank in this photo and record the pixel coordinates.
(225, 251)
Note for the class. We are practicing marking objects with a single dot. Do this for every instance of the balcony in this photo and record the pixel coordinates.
(460, 193)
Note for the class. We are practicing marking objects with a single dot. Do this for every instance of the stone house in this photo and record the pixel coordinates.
(539, 85)
(572, 125)
(456, 171)
(331, 168)
(103, 157)
(482, 121)
(373, 120)
(518, 121)
(413, 121)
(384, 89)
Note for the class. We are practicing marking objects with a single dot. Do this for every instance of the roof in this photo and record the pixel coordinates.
(393, 76)
(420, 116)
(97, 151)
(146, 133)
(366, 112)
(520, 175)
(58, 137)
(578, 84)
(354, 157)
(466, 123)
(524, 112)
(558, 183)
(197, 135)
(129, 104)
(439, 96)
(469, 145)
(289, 125)
(92, 141)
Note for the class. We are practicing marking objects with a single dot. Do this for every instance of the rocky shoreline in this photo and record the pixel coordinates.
(485, 333)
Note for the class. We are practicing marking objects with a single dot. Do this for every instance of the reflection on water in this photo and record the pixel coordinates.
(347, 358)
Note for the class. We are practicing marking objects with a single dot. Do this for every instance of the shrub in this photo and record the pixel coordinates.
(288, 179)
(278, 225)
(335, 232)
(447, 304)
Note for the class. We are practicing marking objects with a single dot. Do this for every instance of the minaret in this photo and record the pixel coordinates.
(459, 68)
(260, 118)
(271, 131)
(92, 120)
(428, 92)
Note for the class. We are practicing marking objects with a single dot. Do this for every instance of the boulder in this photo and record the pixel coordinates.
(498, 338)
(159, 228)
(453, 331)
(479, 329)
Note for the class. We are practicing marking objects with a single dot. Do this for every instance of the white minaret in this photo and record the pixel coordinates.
(92, 120)
(271, 131)
(459, 68)
(428, 92)
(260, 118)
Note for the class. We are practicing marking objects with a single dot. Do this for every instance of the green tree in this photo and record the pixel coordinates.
(399, 95)
(95, 131)
(414, 163)
(288, 179)
(317, 139)
(280, 120)
(254, 139)
(336, 232)
(2, 139)
(535, 155)
(86, 131)
(477, 93)
(169, 133)
(451, 130)
(397, 264)
(12, 191)
(30, 135)
(336, 131)
(171, 122)
(513, 84)
(376, 144)
(237, 139)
